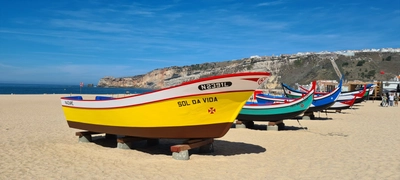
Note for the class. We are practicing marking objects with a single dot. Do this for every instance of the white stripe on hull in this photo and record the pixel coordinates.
(238, 84)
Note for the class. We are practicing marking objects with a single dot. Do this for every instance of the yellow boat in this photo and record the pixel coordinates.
(203, 108)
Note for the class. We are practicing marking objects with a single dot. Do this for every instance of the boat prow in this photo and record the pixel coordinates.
(339, 105)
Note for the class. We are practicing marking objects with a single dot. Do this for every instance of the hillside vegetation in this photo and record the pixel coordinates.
(289, 69)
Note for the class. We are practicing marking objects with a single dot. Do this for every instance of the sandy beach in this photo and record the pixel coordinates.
(360, 143)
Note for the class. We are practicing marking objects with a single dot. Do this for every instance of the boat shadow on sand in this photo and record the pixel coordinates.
(263, 127)
(347, 111)
(316, 118)
(221, 147)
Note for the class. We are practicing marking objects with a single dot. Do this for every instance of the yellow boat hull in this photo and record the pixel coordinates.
(176, 117)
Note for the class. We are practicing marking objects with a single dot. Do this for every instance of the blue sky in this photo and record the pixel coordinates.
(67, 42)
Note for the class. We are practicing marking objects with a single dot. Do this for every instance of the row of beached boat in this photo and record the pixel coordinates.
(203, 108)
(296, 102)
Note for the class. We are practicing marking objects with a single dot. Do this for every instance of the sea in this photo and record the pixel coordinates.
(8, 88)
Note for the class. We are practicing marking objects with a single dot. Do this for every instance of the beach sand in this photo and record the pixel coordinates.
(364, 143)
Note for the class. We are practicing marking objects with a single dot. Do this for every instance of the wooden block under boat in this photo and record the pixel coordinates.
(190, 144)
(238, 122)
(86, 133)
(127, 139)
(275, 123)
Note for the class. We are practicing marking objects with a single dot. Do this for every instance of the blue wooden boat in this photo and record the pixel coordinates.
(276, 111)
(360, 94)
(319, 103)
(268, 98)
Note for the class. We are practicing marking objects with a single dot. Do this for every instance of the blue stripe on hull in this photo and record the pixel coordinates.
(320, 108)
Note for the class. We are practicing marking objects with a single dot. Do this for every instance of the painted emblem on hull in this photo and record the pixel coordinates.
(212, 110)
(71, 103)
(261, 80)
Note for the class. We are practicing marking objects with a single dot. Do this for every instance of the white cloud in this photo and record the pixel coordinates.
(375, 8)
(66, 54)
(90, 25)
(272, 3)
(154, 60)
(7, 66)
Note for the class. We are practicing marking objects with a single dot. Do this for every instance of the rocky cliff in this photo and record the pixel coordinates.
(300, 68)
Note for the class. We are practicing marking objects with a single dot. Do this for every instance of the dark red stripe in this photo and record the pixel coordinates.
(176, 132)
(252, 79)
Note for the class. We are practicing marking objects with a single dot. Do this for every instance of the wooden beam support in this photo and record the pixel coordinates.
(128, 139)
(86, 133)
(190, 144)
(275, 123)
(238, 122)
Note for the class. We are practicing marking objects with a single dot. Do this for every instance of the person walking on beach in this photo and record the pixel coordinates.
(384, 101)
(396, 99)
(387, 98)
(391, 99)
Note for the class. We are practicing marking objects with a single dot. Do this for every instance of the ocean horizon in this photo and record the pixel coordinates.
(12, 88)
